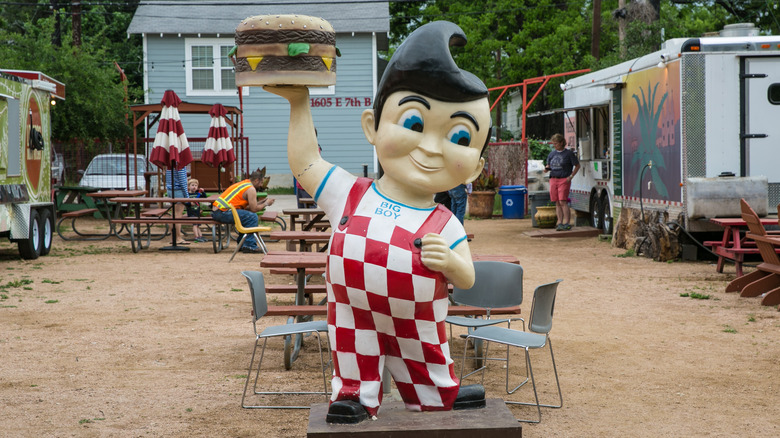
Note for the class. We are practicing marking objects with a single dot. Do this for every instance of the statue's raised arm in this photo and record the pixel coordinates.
(303, 153)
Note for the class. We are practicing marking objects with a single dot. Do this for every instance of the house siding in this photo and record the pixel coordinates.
(266, 116)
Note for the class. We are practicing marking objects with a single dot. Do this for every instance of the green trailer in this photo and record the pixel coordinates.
(27, 212)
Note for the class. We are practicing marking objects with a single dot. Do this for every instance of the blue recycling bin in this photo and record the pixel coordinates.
(512, 201)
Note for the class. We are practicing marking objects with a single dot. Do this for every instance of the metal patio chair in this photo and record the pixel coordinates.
(259, 309)
(539, 326)
(496, 285)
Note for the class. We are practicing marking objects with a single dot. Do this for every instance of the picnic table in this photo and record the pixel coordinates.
(734, 244)
(301, 261)
(307, 202)
(102, 208)
(220, 233)
(74, 198)
(308, 218)
(304, 239)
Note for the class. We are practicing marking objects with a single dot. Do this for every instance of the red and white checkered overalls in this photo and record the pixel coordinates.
(385, 308)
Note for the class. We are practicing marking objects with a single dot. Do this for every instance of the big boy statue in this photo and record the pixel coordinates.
(393, 250)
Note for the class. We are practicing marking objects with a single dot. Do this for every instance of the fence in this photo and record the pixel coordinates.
(507, 161)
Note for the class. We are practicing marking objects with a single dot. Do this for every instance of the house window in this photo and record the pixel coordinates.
(209, 71)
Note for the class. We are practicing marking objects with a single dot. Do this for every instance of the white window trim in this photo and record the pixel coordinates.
(216, 43)
(322, 91)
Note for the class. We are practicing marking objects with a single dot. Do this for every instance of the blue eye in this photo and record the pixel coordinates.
(460, 134)
(412, 119)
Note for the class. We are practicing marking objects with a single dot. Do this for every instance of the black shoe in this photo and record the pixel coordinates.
(346, 412)
(251, 250)
(470, 397)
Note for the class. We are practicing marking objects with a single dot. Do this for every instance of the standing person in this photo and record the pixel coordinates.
(562, 164)
(443, 198)
(393, 249)
(243, 196)
(458, 199)
(193, 209)
(176, 185)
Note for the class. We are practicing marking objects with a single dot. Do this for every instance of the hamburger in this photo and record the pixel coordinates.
(285, 50)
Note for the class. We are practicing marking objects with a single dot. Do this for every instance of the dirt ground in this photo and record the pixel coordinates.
(97, 341)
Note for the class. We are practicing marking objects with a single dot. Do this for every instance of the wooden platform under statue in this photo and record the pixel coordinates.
(395, 421)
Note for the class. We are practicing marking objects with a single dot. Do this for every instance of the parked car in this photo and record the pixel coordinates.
(109, 171)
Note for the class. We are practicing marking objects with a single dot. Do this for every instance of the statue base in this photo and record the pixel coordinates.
(395, 421)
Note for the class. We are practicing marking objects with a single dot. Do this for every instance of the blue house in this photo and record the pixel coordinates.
(185, 49)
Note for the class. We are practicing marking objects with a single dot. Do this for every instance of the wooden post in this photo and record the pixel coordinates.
(622, 29)
(596, 30)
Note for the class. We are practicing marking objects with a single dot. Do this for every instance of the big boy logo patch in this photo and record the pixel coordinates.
(388, 209)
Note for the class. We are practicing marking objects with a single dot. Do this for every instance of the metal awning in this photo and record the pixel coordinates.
(575, 108)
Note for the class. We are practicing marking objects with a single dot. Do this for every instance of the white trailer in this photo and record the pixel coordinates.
(26, 209)
(704, 111)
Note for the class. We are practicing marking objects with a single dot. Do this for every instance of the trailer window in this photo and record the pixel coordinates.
(600, 132)
(593, 132)
(774, 94)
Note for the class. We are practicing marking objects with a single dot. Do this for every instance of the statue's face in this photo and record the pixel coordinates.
(431, 145)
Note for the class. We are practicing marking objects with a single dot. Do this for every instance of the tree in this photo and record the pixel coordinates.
(509, 40)
(94, 104)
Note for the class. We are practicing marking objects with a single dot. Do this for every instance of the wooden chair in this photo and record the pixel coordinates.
(765, 280)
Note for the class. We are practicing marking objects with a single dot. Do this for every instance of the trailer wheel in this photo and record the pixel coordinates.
(606, 219)
(595, 212)
(46, 229)
(30, 248)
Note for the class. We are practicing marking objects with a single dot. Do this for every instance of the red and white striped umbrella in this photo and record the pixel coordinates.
(219, 148)
(170, 143)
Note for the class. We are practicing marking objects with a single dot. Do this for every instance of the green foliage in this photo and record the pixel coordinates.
(695, 296)
(16, 283)
(513, 40)
(509, 40)
(539, 149)
(485, 182)
(281, 191)
(95, 104)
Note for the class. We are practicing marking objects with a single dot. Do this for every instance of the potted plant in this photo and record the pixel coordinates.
(483, 195)
(546, 216)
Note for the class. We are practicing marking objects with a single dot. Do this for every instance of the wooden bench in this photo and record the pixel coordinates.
(293, 271)
(273, 216)
(185, 220)
(219, 238)
(154, 212)
(73, 216)
(79, 213)
(315, 309)
(293, 310)
(737, 255)
(293, 288)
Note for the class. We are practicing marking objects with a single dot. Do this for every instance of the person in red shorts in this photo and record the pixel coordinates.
(562, 163)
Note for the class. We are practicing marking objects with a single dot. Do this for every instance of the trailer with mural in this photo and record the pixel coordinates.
(686, 131)
(26, 209)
